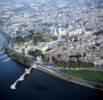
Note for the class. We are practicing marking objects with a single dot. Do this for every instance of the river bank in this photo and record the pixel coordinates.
(22, 59)
(70, 78)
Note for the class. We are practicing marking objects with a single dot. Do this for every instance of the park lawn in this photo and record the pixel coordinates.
(94, 76)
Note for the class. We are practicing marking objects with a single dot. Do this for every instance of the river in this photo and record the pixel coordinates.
(38, 85)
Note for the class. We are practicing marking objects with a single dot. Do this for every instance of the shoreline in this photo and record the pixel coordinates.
(71, 79)
(11, 55)
(6, 37)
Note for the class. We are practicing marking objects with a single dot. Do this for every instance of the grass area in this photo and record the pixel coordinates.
(94, 76)
(37, 37)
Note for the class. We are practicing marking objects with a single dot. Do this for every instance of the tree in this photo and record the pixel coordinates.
(37, 53)
(38, 38)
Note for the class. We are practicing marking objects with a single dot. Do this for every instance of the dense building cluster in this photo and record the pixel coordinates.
(40, 16)
(79, 23)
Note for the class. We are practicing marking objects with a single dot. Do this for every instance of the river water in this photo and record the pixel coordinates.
(38, 85)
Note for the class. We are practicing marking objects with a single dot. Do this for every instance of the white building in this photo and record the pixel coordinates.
(59, 32)
(45, 46)
(76, 32)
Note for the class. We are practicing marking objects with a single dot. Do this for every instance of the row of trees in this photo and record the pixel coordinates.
(73, 64)
(22, 59)
(19, 40)
(36, 53)
(18, 57)
(38, 37)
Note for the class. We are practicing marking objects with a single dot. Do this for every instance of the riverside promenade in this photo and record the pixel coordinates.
(72, 79)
